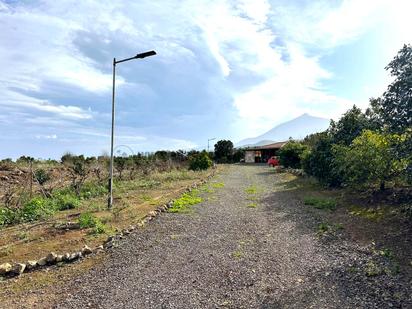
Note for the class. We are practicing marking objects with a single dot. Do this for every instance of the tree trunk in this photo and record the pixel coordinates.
(382, 186)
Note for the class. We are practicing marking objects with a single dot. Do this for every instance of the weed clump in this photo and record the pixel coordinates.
(251, 190)
(186, 200)
(320, 203)
(87, 220)
(327, 228)
(373, 214)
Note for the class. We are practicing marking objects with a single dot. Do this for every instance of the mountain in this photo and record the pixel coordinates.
(296, 128)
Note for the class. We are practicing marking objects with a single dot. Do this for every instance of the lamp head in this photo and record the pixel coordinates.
(145, 54)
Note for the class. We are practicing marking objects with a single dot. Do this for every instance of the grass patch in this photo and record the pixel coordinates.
(251, 190)
(373, 214)
(218, 185)
(325, 228)
(183, 203)
(320, 203)
(252, 205)
(93, 189)
(237, 254)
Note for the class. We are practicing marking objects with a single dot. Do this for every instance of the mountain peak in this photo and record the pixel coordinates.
(296, 128)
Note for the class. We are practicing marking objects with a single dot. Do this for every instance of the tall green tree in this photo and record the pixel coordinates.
(224, 151)
(350, 126)
(395, 106)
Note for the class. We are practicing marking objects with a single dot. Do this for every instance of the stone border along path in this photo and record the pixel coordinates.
(10, 270)
(224, 254)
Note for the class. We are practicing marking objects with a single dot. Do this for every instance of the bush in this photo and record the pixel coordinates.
(87, 220)
(200, 161)
(41, 176)
(370, 160)
(319, 161)
(7, 216)
(37, 208)
(65, 201)
(290, 154)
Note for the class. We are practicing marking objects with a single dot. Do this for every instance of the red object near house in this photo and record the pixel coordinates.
(273, 161)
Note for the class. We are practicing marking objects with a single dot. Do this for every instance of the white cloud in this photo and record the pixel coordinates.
(41, 136)
(268, 43)
(16, 100)
(245, 39)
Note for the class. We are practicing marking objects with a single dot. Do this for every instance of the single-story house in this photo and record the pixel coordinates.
(261, 154)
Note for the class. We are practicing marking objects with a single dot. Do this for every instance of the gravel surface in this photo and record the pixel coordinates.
(224, 254)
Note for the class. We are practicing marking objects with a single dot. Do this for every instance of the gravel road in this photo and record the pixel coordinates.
(250, 244)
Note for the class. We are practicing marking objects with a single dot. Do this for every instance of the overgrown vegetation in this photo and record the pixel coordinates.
(47, 186)
(364, 150)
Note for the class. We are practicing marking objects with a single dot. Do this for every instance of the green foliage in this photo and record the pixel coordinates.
(224, 151)
(238, 154)
(79, 168)
(291, 153)
(319, 161)
(373, 269)
(323, 228)
(394, 108)
(25, 160)
(200, 161)
(37, 208)
(217, 185)
(373, 214)
(87, 220)
(186, 200)
(328, 228)
(251, 190)
(41, 176)
(63, 201)
(7, 216)
(349, 126)
(320, 203)
(91, 189)
(369, 160)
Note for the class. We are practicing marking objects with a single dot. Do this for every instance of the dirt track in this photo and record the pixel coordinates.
(225, 254)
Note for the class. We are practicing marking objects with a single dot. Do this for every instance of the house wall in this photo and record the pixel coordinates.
(250, 156)
(259, 156)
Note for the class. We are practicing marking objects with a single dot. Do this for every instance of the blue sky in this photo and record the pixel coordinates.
(224, 69)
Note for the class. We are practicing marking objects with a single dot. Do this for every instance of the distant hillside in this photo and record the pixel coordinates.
(296, 128)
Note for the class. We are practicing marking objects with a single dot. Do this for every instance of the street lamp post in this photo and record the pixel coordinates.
(138, 56)
(210, 139)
